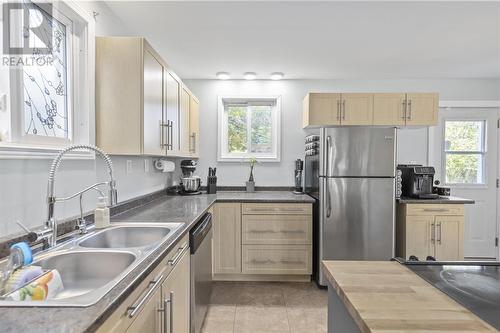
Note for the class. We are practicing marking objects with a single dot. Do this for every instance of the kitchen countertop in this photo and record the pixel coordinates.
(186, 209)
(440, 200)
(383, 296)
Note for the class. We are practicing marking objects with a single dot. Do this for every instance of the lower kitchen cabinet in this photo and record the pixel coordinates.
(227, 238)
(430, 230)
(149, 319)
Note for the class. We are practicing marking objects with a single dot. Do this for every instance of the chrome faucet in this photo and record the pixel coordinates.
(50, 231)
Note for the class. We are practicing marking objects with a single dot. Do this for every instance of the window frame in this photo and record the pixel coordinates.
(222, 136)
(80, 90)
(482, 153)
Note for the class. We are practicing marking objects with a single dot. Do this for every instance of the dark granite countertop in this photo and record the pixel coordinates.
(186, 209)
(440, 200)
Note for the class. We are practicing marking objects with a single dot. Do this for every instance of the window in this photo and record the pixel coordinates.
(249, 127)
(50, 84)
(464, 151)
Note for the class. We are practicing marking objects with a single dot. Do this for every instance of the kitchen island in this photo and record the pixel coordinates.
(385, 296)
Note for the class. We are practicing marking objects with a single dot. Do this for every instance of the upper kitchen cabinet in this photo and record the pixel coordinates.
(140, 105)
(194, 126)
(358, 109)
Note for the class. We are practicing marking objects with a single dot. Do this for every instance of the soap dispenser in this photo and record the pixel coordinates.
(101, 214)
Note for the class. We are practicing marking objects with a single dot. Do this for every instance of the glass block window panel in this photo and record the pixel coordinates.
(45, 85)
(465, 151)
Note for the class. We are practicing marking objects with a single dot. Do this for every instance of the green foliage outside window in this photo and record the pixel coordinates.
(257, 138)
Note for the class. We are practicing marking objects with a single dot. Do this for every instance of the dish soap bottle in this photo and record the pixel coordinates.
(101, 214)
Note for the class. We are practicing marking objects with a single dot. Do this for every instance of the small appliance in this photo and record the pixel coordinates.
(417, 181)
(190, 184)
(441, 190)
(299, 167)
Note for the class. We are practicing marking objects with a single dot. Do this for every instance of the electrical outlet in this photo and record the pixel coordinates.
(129, 166)
(146, 165)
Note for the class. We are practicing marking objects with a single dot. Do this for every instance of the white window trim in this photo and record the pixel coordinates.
(221, 120)
(83, 95)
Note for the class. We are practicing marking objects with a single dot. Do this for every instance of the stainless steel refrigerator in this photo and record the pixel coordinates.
(353, 179)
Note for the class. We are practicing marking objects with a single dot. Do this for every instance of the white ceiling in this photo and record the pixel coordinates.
(320, 40)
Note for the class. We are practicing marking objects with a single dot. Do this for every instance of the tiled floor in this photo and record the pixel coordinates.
(262, 307)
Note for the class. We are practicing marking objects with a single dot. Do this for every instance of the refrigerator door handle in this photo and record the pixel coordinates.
(328, 155)
(328, 201)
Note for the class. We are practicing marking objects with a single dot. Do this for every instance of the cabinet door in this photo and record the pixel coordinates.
(449, 238)
(420, 235)
(149, 319)
(175, 295)
(173, 107)
(422, 109)
(321, 109)
(194, 126)
(227, 238)
(389, 109)
(153, 106)
(184, 123)
(357, 109)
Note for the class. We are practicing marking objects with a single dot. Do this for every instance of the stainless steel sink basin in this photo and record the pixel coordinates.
(126, 237)
(85, 271)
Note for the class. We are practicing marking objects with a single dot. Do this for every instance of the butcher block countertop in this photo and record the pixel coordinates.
(385, 296)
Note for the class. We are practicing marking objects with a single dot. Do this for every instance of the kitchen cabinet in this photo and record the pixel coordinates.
(175, 294)
(364, 109)
(141, 108)
(262, 241)
(149, 319)
(430, 230)
(194, 126)
(227, 238)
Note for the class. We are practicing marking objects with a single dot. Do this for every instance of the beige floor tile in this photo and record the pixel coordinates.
(225, 293)
(219, 319)
(307, 320)
(261, 319)
(304, 295)
(260, 294)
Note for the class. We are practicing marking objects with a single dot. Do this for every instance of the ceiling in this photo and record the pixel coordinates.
(321, 40)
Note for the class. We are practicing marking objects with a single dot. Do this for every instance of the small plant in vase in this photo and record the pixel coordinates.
(251, 183)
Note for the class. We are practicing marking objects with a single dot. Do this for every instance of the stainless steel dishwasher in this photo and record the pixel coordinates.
(200, 240)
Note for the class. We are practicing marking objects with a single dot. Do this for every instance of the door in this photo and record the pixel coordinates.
(176, 296)
(227, 238)
(464, 153)
(358, 151)
(358, 219)
(389, 109)
(357, 109)
(173, 108)
(420, 236)
(422, 109)
(184, 123)
(194, 126)
(324, 109)
(153, 106)
(449, 235)
(149, 319)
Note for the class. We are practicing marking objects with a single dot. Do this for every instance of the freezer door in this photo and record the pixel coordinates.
(358, 152)
(357, 219)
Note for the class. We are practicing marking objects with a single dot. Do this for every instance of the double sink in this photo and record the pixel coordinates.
(91, 265)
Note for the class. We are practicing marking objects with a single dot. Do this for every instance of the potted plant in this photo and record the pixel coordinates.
(251, 183)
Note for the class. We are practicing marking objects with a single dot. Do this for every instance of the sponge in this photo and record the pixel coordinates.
(22, 276)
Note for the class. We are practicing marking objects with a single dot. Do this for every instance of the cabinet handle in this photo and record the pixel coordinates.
(435, 210)
(433, 233)
(338, 110)
(343, 107)
(168, 311)
(132, 310)
(439, 234)
(409, 109)
(175, 259)
(162, 129)
(291, 262)
(404, 110)
(267, 261)
(171, 135)
(292, 231)
(192, 148)
(261, 231)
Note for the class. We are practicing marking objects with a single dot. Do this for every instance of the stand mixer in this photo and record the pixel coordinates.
(190, 183)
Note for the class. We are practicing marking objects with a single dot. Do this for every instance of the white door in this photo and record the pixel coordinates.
(465, 154)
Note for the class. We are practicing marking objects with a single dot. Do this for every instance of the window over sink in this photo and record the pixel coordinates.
(249, 127)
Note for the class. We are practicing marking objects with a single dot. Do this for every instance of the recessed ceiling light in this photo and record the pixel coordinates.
(250, 76)
(277, 76)
(223, 76)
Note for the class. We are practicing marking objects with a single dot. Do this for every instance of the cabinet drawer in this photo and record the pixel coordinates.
(275, 208)
(276, 259)
(433, 209)
(276, 229)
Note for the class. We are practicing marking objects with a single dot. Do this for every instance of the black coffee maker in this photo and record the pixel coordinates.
(417, 181)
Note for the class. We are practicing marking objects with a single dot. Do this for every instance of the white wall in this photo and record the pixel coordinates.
(23, 183)
(413, 143)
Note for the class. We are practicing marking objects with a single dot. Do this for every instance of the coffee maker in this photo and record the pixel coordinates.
(417, 181)
(190, 184)
(299, 167)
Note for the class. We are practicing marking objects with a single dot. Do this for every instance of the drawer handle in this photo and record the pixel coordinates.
(261, 231)
(435, 210)
(174, 260)
(267, 261)
(291, 209)
(292, 231)
(132, 310)
(291, 262)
